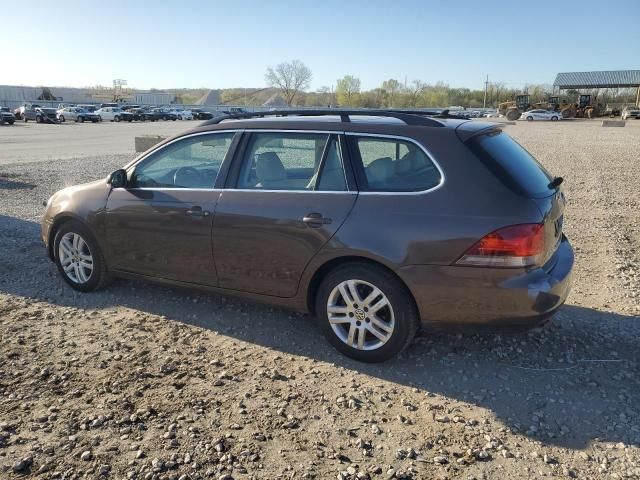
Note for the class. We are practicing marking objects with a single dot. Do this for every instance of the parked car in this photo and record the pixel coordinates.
(152, 114)
(373, 226)
(200, 114)
(77, 114)
(541, 114)
(32, 111)
(165, 114)
(88, 107)
(114, 114)
(112, 105)
(183, 114)
(493, 114)
(7, 116)
(631, 113)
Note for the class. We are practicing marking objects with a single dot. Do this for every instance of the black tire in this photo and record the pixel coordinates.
(38, 119)
(25, 119)
(554, 119)
(406, 318)
(116, 118)
(81, 119)
(99, 118)
(61, 118)
(10, 122)
(94, 120)
(99, 277)
(529, 119)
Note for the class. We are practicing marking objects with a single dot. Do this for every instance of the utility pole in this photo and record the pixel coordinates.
(486, 87)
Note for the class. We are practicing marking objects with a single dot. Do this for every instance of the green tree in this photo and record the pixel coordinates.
(348, 91)
(392, 89)
(292, 78)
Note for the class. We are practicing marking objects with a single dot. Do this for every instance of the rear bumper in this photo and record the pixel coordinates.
(457, 295)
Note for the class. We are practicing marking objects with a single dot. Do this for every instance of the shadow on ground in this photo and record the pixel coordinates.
(574, 381)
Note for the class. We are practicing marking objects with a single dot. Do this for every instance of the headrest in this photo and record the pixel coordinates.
(269, 167)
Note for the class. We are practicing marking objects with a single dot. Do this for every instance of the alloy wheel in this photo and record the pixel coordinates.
(75, 258)
(360, 315)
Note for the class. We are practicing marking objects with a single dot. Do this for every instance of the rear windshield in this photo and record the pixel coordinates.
(512, 164)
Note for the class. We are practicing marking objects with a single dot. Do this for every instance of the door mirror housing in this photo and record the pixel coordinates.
(118, 179)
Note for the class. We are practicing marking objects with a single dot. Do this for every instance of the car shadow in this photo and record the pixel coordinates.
(567, 384)
(11, 182)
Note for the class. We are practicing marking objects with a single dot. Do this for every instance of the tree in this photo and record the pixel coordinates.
(291, 78)
(348, 90)
(392, 88)
(415, 91)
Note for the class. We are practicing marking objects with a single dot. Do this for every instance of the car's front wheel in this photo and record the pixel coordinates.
(62, 118)
(529, 119)
(554, 119)
(79, 258)
(366, 312)
(116, 118)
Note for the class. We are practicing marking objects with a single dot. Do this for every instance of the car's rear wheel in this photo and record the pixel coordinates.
(366, 312)
(530, 119)
(79, 258)
(554, 119)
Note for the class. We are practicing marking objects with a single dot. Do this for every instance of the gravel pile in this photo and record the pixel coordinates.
(145, 382)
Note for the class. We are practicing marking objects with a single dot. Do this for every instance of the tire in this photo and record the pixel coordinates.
(116, 118)
(38, 119)
(10, 122)
(81, 278)
(99, 118)
(554, 119)
(81, 119)
(94, 121)
(62, 118)
(399, 317)
(529, 119)
(179, 117)
(25, 119)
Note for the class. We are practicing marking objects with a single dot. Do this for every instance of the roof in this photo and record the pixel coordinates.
(605, 79)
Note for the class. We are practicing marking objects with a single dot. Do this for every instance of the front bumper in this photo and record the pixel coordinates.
(458, 295)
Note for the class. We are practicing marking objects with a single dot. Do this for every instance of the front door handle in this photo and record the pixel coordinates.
(197, 211)
(316, 220)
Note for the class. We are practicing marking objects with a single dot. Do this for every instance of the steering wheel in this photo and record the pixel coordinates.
(187, 177)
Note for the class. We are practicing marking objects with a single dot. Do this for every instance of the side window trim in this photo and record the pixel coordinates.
(358, 165)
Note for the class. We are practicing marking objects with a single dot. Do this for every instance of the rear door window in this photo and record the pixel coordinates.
(394, 165)
(292, 161)
(514, 165)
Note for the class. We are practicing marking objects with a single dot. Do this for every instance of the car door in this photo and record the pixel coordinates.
(160, 225)
(286, 196)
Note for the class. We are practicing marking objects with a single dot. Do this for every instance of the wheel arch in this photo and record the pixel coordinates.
(58, 222)
(322, 271)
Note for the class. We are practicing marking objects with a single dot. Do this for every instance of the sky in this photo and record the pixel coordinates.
(225, 44)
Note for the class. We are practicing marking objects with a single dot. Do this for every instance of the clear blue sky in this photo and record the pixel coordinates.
(221, 44)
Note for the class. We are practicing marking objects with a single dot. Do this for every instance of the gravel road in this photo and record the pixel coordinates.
(145, 382)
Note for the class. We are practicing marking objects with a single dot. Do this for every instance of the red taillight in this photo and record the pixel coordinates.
(514, 246)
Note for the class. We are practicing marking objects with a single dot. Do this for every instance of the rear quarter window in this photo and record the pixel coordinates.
(395, 165)
(512, 164)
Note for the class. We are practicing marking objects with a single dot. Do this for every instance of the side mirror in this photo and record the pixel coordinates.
(118, 179)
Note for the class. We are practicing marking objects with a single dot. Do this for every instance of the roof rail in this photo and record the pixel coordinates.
(409, 117)
(432, 113)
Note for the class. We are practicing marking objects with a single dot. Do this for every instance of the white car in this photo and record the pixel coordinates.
(541, 114)
(114, 114)
(631, 112)
(492, 114)
(183, 114)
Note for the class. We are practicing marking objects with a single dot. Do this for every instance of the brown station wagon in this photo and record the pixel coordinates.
(373, 221)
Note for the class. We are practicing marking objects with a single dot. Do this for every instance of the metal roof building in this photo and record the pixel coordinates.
(605, 79)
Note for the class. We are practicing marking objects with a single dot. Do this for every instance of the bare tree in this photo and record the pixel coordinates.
(348, 90)
(290, 77)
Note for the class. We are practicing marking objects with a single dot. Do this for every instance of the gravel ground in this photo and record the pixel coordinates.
(145, 382)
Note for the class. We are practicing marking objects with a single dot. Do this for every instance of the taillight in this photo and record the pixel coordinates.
(514, 246)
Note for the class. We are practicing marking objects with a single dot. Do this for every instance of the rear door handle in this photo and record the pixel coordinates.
(316, 220)
(197, 211)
